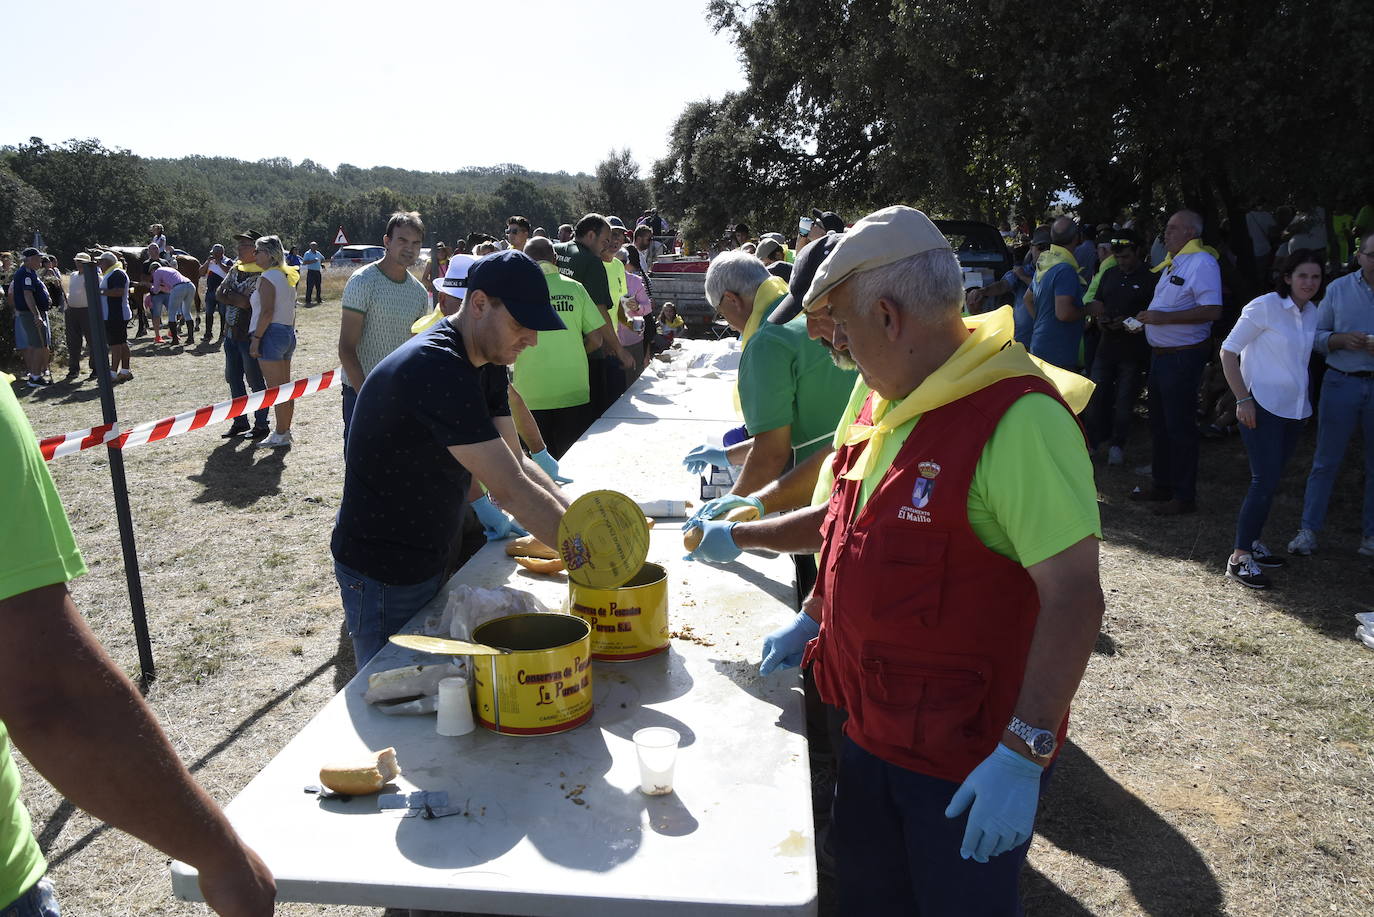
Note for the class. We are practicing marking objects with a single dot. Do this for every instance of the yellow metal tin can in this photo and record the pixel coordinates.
(544, 685)
(628, 622)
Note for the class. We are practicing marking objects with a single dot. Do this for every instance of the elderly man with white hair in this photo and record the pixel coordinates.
(1178, 326)
(958, 598)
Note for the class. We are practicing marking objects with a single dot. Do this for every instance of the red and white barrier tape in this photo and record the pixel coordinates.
(154, 430)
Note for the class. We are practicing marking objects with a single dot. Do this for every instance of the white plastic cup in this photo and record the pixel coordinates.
(656, 748)
(455, 708)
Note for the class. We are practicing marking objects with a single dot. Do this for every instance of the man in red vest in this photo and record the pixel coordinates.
(958, 598)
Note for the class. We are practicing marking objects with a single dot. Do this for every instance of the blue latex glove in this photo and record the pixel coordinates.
(783, 648)
(717, 543)
(496, 525)
(550, 466)
(1004, 791)
(699, 458)
(714, 509)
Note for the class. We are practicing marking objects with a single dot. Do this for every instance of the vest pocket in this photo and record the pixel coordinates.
(913, 570)
(932, 703)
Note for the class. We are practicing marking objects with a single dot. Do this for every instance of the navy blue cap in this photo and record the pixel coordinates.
(514, 278)
(30, 252)
(803, 272)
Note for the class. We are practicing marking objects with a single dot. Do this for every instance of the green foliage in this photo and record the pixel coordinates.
(23, 208)
(617, 190)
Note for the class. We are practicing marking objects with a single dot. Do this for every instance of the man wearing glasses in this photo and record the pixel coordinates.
(1345, 334)
(517, 232)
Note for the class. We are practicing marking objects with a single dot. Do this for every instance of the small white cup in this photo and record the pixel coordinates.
(455, 708)
(656, 748)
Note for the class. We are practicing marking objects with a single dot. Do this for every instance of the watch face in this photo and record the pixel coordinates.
(1042, 744)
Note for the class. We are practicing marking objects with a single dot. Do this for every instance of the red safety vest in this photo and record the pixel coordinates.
(924, 630)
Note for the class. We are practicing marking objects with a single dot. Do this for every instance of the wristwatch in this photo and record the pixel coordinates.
(1041, 742)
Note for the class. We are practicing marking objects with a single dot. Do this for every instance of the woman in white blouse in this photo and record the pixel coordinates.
(273, 327)
(1265, 359)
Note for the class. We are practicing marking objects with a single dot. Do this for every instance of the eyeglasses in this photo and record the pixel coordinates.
(1368, 254)
(513, 231)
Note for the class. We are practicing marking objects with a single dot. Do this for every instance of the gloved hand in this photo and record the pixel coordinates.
(714, 509)
(1004, 791)
(550, 466)
(704, 455)
(496, 524)
(717, 543)
(783, 648)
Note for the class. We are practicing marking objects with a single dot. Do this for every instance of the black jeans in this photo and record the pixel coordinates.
(1174, 381)
(1119, 374)
(78, 322)
(313, 281)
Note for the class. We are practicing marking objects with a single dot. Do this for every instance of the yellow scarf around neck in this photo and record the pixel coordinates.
(246, 267)
(1192, 248)
(1055, 254)
(990, 355)
(769, 292)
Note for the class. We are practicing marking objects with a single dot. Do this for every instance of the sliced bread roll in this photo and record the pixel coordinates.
(529, 546)
(358, 778)
(540, 565)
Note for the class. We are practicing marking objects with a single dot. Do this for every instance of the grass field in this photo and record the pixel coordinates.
(1220, 755)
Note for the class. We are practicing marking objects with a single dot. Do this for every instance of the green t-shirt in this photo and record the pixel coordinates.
(618, 286)
(388, 309)
(39, 550)
(1097, 279)
(587, 269)
(1032, 494)
(788, 380)
(553, 373)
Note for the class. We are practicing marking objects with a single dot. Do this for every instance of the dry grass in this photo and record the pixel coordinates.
(1220, 756)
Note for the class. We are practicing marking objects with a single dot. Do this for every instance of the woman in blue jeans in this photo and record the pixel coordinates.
(1265, 359)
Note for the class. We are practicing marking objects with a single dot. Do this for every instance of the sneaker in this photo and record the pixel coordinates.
(259, 433)
(1365, 634)
(1115, 456)
(1247, 572)
(36, 382)
(1367, 546)
(234, 431)
(276, 440)
(1304, 543)
(125, 376)
(1264, 557)
(1367, 619)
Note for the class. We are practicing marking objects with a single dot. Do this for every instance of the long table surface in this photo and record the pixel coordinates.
(556, 825)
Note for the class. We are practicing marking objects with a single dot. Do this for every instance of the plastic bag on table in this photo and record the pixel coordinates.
(468, 607)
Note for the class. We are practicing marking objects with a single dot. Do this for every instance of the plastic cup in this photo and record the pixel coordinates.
(656, 747)
(455, 708)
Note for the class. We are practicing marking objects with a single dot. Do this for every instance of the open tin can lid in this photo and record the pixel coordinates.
(603, 539)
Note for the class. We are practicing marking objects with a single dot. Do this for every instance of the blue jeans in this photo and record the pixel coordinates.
(238, 365)
(1174, 381)
(38, 901)
(375, 610)
(896, 853)
(1347, 402)
(1269, 447)
(350, 399)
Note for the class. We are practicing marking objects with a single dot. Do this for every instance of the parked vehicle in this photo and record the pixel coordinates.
(979, 247)
(357, 254)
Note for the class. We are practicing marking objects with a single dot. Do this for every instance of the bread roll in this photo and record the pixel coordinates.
(529, 546)
(540, 564)
(358, 778)
(691, 540)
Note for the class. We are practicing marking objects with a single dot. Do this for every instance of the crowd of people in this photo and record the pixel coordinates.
(927, 474)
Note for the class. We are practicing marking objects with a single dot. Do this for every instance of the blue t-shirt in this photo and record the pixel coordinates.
(27, 280)
(403, 490)
(293, 260)
(1053, 340)
(312, 260)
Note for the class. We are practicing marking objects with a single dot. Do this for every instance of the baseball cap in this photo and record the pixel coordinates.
(831, 220)
(880, 238)
(110, 257)
(767, 248)
(1120, 237)
(803, 272)
(514, 278)
(248, 235)
(29, 253)
(1041, 237)
(455, 279)
(617, 223)
(775, 236)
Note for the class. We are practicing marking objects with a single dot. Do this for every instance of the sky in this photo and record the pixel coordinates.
(552, 86)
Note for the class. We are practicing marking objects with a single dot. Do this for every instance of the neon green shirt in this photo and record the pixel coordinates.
(619, 286)
(388, 309)
(1097, 279)
(39, 550)
(553, 373)
(788, 380)
(1032, 494)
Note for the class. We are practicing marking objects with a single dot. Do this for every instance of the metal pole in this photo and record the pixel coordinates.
(100, 360)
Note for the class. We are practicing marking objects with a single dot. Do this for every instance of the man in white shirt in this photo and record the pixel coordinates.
(1178, 326)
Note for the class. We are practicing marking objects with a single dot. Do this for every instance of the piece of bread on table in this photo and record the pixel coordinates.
(540, 564)
(363, 776)
(529, 546)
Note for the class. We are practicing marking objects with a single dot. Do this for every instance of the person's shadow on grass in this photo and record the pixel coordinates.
(238, 474)
(1087, 813)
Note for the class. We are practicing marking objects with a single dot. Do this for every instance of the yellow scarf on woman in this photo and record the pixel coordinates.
(769, 292)
(990, 354)
(1055, 254)
(1192, 248)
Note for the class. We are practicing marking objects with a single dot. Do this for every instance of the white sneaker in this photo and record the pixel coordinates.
(1115, 456)
(1303, 543)
(1367, 546)
(276, 440)
(1365, 634)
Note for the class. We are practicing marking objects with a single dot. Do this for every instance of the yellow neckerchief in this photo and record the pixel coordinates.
(1192, 248)
(246, 267)
(1055, 254)
(114, 267)
(769, 292)
(292, 274)
(990, 355)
